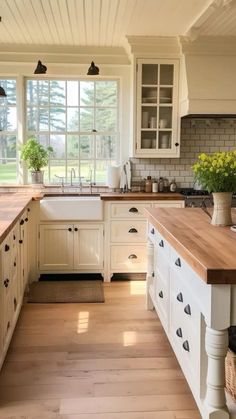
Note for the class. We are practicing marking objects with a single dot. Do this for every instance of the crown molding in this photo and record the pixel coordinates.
(161, 45)
(63, 54)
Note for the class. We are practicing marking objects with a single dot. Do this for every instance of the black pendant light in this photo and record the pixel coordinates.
(41, 68)
(2, 92)
(93, 70)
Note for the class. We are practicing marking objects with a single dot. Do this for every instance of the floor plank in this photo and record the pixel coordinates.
(93, 361)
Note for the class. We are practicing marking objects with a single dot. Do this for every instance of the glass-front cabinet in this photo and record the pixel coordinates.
(157, 132)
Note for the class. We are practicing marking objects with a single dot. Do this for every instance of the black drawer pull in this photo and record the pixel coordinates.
(8, 325)
(6, 283)
(152, 231)
(28, 209)
(21, 222)
(15, 304)
(186, 346)
(161, 244)
(187, 309)
(133, 230)
(180, 297)
(132, 256)
(75, 229)
(133, 209)
(14, 237)
(178, 262)
(7, 247)
(160, 294)
(14, 264)
(70, 229)
(26, 219)
(20, 241)
(153, 274)
(179, 332)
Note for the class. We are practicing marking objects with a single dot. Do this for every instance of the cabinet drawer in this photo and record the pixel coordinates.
(161, 292)
(128, 231)
(169, 204)
(132, 210)
(128, 258)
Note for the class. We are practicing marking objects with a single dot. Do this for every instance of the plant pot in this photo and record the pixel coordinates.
(37, 176)
(222, 209)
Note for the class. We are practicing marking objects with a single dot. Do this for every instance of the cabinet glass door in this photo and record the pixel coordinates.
(155, 114)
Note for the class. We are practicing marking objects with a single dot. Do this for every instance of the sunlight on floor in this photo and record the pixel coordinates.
(83, 322)
(137, 287)
(129, 338)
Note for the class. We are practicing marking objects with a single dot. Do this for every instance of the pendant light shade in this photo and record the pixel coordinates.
(93, 70)
(41, 68)
(2, 92)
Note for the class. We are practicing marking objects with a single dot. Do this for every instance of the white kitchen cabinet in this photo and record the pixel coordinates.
(71, 247)
(157, 132)
(13, 257)
(126, 235)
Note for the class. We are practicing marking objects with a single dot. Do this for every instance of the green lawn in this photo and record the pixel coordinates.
(8, 173)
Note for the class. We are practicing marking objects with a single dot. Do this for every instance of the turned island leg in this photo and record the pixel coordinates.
(216, 348)
(150, 270)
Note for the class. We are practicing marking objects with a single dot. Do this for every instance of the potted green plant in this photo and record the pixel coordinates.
(217, 173)
(36, 156)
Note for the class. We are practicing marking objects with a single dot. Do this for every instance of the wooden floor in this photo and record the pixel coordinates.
(93, 361)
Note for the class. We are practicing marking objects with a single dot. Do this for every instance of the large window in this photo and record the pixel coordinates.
(79, 119)
(8, 133)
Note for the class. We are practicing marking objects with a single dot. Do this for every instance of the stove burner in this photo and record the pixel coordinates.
(194, 192)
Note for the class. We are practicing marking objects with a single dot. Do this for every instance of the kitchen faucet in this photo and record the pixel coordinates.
(72, 175)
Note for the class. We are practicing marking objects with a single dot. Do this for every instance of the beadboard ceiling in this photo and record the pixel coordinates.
(106, 23)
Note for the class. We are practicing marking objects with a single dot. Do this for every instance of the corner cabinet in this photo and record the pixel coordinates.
(157, 132)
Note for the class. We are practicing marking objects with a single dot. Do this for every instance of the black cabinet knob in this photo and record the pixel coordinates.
(180, 297)
(7, 248)
(132, 256)
(20, 241)
(176, 144)
(6, 283)
(26, 219)
(133, 230)
(14, 263)
(153, 274)
(178, 262)
(14, 237)
(69, 229)
(187, 309)
(21, 222)
(133, 209)
(179, 332)
(161, 243)
(28, 209)
(160, 294)
(186, 346)
(75, 229)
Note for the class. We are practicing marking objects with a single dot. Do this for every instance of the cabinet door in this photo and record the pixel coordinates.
(88, 246)
(56, 247)
(157, 108)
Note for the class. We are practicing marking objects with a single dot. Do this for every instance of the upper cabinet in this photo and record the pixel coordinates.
(157, 132)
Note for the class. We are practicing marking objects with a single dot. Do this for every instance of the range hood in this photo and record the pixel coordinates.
(208, 77)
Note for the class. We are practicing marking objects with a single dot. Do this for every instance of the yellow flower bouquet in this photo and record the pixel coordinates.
(216, 172)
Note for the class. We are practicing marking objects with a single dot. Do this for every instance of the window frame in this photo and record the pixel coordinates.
(67, 133)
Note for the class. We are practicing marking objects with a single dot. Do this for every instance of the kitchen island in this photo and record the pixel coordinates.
(191, 282)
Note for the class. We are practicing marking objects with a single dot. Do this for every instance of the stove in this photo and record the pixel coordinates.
(197, 198)
(200, 198)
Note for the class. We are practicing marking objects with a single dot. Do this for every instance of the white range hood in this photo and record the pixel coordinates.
(208, 76)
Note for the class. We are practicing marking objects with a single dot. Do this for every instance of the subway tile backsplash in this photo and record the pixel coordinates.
(197, 136)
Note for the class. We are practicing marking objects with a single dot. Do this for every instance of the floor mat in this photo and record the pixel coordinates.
(66, 292)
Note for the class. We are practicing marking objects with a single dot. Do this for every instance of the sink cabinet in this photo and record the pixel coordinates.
(157, 122)
(72, 247)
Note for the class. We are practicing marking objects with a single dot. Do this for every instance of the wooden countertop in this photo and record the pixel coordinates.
(135, 196)
(208, 249)
(12, 205)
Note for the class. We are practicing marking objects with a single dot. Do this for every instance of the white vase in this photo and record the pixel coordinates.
(222, 209)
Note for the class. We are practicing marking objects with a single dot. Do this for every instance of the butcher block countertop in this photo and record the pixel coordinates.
(12, 205)
(208, 249)
(143, 196)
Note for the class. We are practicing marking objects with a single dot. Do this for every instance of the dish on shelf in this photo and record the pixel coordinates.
(146, 143)
(149, 99)
(165, 99)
